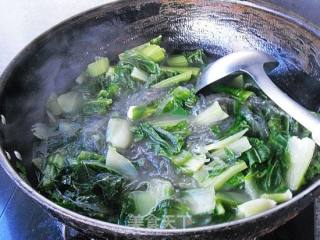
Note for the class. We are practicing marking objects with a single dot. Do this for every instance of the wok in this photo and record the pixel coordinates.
(53, 60)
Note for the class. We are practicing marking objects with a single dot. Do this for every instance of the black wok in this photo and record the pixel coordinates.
(53, 60)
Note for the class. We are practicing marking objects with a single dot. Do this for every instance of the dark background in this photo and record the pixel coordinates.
(21, 218)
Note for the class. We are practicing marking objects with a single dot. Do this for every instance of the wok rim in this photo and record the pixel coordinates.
(126, 230)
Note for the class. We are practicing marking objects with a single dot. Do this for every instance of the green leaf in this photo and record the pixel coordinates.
(175, 80)
(99, 106)
(238, 125)
(110, 91)
(149, 51)
(195, 70)
(196, 57)
(236, 182)
(85, 155)
(54, 165)
(238, 93)
(259, 153)
(170, 213)
(157, 40)
(90, 189)
(219, 180)
(166, 140)
(143, 64)
(180, 99)
(178, 102)
(122, 76)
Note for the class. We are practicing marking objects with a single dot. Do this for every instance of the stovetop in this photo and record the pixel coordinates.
(20, 217)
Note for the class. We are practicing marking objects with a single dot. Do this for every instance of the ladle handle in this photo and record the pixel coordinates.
(295, 110)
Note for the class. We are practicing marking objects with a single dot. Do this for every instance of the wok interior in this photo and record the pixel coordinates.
(51, 63)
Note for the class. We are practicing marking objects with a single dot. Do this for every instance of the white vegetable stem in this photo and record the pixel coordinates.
(157, 191)
(211, 115)
(200, 201)
(120, 164)
(144, 202)
(53, 106)
(160, 188)
(81, 78)
(218, 181)
(139, 75)
(226, 141)
(251, 187)
(194, 164)
(278, 197)
(237, 147)
(254, 207)
(300, 153)
(70, 102)
(118, 133)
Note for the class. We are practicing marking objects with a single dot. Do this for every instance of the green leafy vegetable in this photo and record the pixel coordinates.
(177, 61)
(175, 80)
(166, 141)
(240, 94)
(254, 207)
(89, 189)
(195, 70)
(150, 51)
(196, 57)
(122, 76)
(178, 102)
(52, 169)
(148, 66)
(98, 67)
(157, 40)
(170, 213)
(235, 183)
(153, 52)
(141, 112)
(111, 91)
(231, 199)
(211, 115)
(268, 159)
(239, 124)
(259, 153)
(217, 181)
(300, 155)
(87, 156)
(99, 106)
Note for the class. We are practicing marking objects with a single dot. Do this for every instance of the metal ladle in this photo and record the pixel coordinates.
(256, 63)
